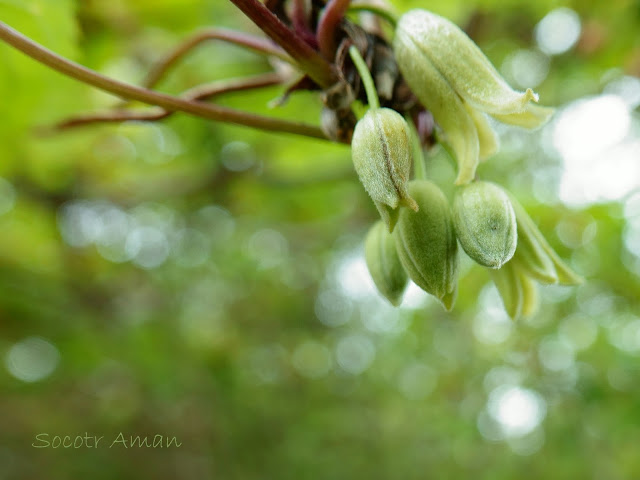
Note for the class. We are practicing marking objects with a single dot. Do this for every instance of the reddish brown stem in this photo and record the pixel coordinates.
(309, 60)
(260, 45)
(201, 92)
(132, 92)
(331, 17)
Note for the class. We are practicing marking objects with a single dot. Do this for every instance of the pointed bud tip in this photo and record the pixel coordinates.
(410, 203)
(530, 95)
(448, 300)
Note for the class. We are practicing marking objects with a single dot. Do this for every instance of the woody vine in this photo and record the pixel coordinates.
(391, 87)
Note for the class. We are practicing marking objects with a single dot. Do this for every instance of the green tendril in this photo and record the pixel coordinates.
(365, 75)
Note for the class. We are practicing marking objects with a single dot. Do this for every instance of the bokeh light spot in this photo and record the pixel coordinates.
(32, 359)
(355, 353)
(556, 354)
(268, 248)
(558, 31)
(312, 359)
(491, 325)
(417, 381)
(148, 247)
(517, 410)
(526, 68)
(332, 308)
(237, 156)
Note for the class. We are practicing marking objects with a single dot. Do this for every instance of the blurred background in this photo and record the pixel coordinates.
(206, 282)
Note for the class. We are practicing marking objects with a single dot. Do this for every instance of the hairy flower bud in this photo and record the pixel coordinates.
(485, 223)
(384, 265)
(427, 244)
(381, 152)
(453, 78)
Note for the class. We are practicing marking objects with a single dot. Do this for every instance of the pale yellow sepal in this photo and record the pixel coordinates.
(435, 92)
(517, 289)
(463, 64)
(536, 256)
(507, 281)
(487, 138)
(530, 298)
(534, 116)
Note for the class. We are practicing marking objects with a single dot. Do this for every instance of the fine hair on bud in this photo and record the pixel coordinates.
(485, 223)
(427, 244)
(382, 156)
(383, 263)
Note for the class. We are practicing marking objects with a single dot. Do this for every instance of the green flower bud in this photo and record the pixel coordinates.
(485, 223)
(453, 78)
(426, 242)
(384, 265)
(381, 152)
(536, 256)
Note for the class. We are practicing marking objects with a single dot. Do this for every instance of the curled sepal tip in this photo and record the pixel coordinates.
(463, 64)
(383, 263)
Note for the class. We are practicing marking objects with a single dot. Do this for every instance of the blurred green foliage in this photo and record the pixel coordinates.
(205, 281)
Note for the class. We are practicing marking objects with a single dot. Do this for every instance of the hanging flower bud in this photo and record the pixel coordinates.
(381, 152)
(536, 256)
(384, 265)
(427, 244)
(453, 78)
(485, 223)
(435, 93)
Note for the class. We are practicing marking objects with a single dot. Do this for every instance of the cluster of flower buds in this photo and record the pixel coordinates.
(457, 83)
(452, 78)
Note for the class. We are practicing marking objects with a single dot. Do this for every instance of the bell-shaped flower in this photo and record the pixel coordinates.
(453, 78)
